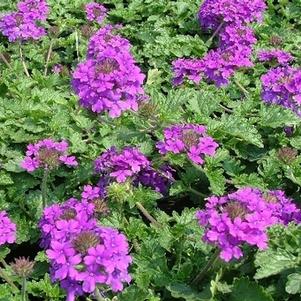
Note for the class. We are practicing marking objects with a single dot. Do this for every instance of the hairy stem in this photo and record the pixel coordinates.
(77, 45)
(23, 289)
(6, 277)
(216, 32)
(197, 192)
(241, 87)
(147, 215)
(48, 57)
(44, 187)
(3, 58)
(206, 268)
(23, 60)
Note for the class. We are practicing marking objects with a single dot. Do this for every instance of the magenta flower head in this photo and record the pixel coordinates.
(95, 12)
(213, 13)
(121, 166)
(243, 217)
(190, 139)
(20, 27)
(277, 56)
(7, 229)
(282, 86)
(82, 253)
(47, 154)
(37, 10)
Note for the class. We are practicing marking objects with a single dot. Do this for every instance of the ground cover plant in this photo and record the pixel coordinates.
(149, 150)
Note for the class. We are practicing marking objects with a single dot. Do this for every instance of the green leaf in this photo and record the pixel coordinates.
(273, 262)
(245, 290)
(217, 181)
(293, 284)
(181, 290)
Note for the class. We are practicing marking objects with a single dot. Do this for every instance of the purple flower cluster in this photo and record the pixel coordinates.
(95, 12)
(278, 56)
(21, 25)
(131, 164)
(7, 229)
(109, 80)
(190, 139)
(215, 12)
(82, 253)
(243, 217)
(229, 19)
(282, 86)
(47, 154)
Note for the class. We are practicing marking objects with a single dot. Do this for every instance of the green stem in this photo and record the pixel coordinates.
(44, 187)
(48, 57)
(77, 45)
(4, 263)
(98, 296)
(3, 58)
(206, 268)
(147, 215)
(241, 87)
(197, 192)
(23, 60)
(23, 290)
(6, 277)
(208, 43)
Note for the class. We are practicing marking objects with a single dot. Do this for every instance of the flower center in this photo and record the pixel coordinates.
(101, 207)
(190, 138)
(107, 66)
(49, 157)
(269, 198)
(86, 240)
(235, 209)
(68, 214)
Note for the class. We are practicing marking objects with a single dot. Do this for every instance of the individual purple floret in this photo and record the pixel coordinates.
(7, 229)
(82, 253)
(282, 86)
(236, 34)
(95, 12)
(47, 154)
(190, 139)
(213, 13)
(121, 165)
(189, 68)
(20, 27)
(278, 56)
(243, 217)
(36, 10)
(57, 69)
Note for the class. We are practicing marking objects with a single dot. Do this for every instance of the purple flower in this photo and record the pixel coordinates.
(57, 69)
(95, 12)
(20, 27)
(243, 217)
(214, 12)
(281, 57)
(34, 9)
(82, 253)
(47, 154)
(121, 166)
(190, 139)
(282, 86)
(7, 229)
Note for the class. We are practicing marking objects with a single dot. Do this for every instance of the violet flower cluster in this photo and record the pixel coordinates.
(243, 217)
(190, 139)
(282, 86)
(131, 164)
(47, 154)
(7, 229)
(95, 12)
(22, 24)
(230, 20)
(109, 80)
(82, 253)
(278, 56)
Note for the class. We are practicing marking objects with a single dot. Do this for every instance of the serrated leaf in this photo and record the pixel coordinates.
(293, 284)
(273, 262)
(245, 290)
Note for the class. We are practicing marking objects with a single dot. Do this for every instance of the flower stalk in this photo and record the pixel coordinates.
(23, 289)
(23, 60)
(6, 277)
(148, 215)
(200, 276)
(3, 58)
(216, 32)
(44, 188)
(48, 57)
